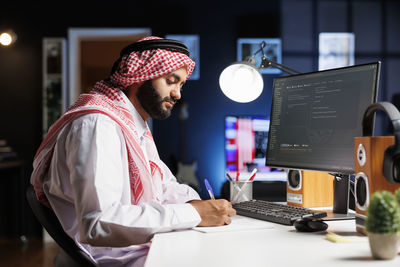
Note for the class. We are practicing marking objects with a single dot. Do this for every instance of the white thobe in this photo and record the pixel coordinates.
(89, 190)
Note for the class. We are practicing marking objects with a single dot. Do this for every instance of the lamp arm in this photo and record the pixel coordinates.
(265, 62)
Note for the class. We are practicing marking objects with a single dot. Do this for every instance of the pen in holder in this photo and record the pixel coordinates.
(241, 191)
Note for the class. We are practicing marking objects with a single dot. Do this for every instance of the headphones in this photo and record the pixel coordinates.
(166, 44)
(391, 161)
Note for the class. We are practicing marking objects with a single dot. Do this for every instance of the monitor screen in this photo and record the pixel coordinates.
(246, 139)
(315, 117)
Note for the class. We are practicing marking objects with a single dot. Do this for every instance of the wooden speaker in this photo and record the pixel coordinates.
(377, 160)
(309, 189)
(369, 155)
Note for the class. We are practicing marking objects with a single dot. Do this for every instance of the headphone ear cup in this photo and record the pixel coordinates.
(390, 171)
(396, 168)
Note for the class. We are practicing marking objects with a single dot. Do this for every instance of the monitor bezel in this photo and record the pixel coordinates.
(374, 99)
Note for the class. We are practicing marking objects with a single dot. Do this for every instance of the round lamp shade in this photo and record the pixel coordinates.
(241, 82)
(7, 38)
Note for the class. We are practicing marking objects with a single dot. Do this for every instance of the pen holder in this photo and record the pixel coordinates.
(241, 191)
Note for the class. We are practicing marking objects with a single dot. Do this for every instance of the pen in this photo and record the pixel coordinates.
(209, 189)
(253, 175)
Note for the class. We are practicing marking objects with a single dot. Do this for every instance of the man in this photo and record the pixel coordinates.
(99, 170)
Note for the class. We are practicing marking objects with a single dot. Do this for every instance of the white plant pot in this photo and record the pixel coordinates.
(384, 246)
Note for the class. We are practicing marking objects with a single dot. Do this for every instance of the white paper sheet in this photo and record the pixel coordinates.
(239, 223)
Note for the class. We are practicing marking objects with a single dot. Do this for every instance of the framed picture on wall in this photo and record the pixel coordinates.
(252, 47)
(336, 49)
(192, 41)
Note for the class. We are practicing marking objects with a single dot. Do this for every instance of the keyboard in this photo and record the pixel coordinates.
(274, 212)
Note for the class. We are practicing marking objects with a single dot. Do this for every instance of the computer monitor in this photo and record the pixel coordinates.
(246, 139)
(315, 117)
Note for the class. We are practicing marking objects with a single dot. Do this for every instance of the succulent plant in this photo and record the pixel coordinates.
(397, 195)
(383, 214)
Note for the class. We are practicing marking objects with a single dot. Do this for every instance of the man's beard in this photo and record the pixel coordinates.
(151, 101)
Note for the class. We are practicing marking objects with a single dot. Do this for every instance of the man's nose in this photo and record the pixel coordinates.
(176, 93)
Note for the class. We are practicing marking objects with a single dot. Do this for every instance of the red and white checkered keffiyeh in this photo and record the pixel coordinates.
(149, 64)
(105, 99)
(144, 65)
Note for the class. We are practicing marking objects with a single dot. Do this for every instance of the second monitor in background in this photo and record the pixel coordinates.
(246, 139)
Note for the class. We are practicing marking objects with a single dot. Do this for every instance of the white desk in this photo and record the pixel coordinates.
(280, 246)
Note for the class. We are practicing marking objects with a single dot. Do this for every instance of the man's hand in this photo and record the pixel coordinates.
(214, 212)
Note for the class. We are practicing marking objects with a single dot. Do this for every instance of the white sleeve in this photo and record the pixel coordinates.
(96, 159)
(174, 192)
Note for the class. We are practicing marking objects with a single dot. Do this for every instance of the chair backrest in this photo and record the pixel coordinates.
(50, 222)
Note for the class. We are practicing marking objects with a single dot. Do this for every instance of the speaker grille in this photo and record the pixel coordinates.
(362, 191)
(294, 179)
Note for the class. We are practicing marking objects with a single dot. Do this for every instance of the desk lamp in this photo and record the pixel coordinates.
(242, 81)
(7, 38)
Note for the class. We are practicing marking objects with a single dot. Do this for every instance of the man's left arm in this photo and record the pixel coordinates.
(173, 191)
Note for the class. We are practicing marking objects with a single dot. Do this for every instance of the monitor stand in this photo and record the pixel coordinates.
(341, 191)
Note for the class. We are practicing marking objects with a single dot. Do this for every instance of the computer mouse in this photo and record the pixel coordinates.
(310, 225)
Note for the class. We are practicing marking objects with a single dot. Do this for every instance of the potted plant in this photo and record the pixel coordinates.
(397, 195)
(383, 225)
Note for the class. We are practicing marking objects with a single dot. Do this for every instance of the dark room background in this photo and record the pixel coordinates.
(376, 24)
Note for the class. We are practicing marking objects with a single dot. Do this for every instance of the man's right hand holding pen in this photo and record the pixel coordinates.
(214, 212)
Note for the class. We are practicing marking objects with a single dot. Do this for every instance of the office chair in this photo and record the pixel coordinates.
(70, 254)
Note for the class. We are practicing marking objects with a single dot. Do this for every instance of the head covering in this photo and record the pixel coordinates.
(145, 65)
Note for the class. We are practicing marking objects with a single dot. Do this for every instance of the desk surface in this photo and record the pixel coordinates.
(278, 246)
